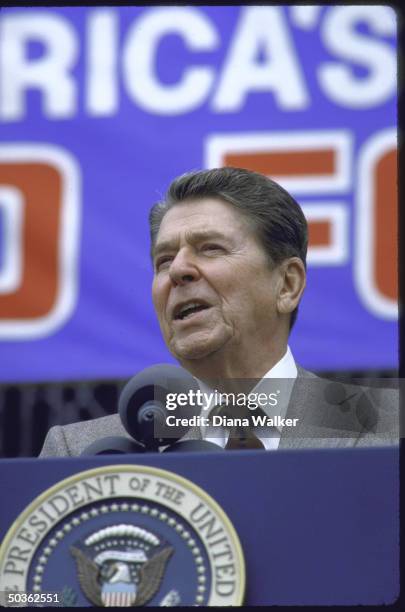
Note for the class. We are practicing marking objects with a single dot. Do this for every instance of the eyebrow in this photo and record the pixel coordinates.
(191, 236)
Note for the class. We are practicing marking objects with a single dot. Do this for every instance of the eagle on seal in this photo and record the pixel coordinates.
(114, 586)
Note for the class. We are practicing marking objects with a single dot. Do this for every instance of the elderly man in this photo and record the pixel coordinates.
(228, 250)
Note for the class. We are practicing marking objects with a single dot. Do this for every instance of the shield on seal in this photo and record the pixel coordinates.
(120, 594)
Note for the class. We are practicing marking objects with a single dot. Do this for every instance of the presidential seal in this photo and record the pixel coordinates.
(127, 536)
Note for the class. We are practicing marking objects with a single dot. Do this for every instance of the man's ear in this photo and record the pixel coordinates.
(293, 277)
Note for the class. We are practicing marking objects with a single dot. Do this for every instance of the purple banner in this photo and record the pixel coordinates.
(100, 108)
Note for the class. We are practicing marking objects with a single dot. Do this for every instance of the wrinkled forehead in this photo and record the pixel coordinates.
(208, 217)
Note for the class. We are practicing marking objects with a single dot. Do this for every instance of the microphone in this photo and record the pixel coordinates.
(142, 405)
(113, 445)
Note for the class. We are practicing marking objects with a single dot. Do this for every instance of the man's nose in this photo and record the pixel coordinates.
(183, 268)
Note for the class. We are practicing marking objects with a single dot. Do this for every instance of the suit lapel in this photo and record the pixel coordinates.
(320, 423)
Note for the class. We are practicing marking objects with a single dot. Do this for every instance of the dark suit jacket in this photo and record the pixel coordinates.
(356, 417)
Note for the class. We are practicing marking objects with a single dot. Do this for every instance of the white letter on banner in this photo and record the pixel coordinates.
(102, 90)
(261, 29)
(49, 73)
(376, 56)
(139, 60)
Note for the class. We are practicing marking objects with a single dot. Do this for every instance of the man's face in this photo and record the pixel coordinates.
(214, 289)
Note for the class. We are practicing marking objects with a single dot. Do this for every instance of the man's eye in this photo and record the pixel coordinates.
(211, 247)
(163, 263)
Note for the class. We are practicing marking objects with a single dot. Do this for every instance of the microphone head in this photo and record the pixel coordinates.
(113, 445)
(143, 400)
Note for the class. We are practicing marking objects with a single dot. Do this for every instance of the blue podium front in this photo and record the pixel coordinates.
(306, 527)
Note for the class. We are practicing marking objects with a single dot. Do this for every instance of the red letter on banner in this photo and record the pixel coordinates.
(46, 181)
(376, 225)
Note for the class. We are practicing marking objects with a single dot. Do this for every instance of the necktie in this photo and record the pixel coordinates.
(243, 438)
(240, 436)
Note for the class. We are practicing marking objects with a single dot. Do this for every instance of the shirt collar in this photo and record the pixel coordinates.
(285, 370)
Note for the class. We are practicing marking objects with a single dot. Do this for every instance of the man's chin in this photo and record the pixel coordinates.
(188, 349)
(188, 353)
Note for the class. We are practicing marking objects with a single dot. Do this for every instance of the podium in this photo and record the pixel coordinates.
(315, 527)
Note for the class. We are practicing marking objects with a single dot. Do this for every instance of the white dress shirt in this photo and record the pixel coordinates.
(285, 371)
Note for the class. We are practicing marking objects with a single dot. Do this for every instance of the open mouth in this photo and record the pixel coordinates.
(187, 310)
